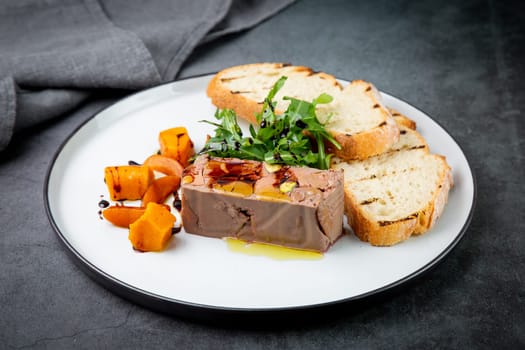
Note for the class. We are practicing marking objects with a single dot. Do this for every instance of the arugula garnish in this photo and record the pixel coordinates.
(295, 137)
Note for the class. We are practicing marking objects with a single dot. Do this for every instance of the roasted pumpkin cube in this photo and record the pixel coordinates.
(127, 181)
(160, 189)
(152, 231)
(175, 143)
(121, 215)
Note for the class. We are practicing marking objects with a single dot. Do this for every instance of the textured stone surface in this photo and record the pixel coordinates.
(462, 63)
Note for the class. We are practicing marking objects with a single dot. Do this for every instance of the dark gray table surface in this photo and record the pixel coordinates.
(461, 63)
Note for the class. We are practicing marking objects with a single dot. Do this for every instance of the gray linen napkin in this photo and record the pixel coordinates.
(55, 53)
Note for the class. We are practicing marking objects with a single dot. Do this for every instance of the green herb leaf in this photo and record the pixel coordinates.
(295, 137)
(322, 99)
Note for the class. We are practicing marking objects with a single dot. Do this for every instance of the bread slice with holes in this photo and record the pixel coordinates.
(357, 118)
(399, 193)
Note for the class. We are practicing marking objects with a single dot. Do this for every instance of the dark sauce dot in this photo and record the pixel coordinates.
(100, 215)
(103, 203)
(263, 124)
(176, 230)
(177, 204)
(132, 162)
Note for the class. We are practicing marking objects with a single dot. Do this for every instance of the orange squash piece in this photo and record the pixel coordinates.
(152, 231)
(165, 165)
(127, 181)
(175, 143)
(122, 216)
(160, 189)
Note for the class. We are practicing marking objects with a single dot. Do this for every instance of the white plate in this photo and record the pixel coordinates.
(202, 272)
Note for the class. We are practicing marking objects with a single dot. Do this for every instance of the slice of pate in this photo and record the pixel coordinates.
(296, 207)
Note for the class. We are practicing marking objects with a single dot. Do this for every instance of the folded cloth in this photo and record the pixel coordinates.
(55, 53)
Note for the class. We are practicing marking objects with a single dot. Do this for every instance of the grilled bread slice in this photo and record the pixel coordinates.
(356, 117)
(396, 194)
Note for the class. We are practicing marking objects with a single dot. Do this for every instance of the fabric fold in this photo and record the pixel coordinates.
(245, 14)
(55, 53)
(169, 30)
(7, 110)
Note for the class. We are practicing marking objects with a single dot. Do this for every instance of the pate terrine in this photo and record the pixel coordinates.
(296, 207)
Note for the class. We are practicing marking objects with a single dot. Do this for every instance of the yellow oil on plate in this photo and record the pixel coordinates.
(270, 251)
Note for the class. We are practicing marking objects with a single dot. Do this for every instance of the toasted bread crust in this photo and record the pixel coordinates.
(361, 145)
(428, 216)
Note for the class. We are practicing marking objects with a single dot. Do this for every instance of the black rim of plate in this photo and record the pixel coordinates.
(232, 315)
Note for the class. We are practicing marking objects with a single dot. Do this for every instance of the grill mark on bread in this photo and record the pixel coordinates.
(369, 201)
(376, 105)
(393, 172)
(392, 151)
(231, 78)
(406, 148)
(368, 88)
(402, 132)
(416, 147)
(371, 177)
(240, 92)
(391, 222)
(360, 132)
